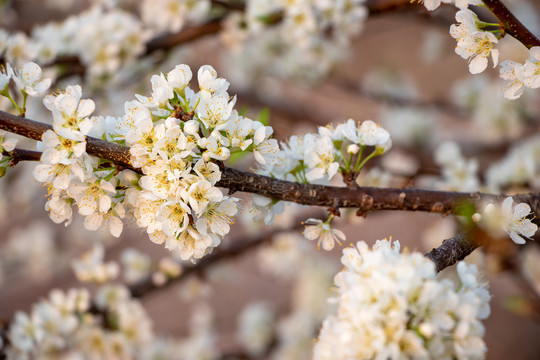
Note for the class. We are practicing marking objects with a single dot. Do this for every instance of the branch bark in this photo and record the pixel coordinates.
(364, 198)
(451, 251)
(511, 24)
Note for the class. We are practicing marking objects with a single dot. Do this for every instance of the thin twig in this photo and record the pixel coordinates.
(235, 249)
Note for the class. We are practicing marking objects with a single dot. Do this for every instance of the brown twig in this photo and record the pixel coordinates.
(236, 248)
(511, 24)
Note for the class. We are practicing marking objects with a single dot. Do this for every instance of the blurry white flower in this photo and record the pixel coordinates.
(92, 268)
(28, 79)
(509, 218)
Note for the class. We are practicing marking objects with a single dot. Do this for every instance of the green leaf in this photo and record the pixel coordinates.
(236, 157)
(264, 116)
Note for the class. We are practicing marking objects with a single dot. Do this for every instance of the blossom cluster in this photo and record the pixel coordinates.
(109, 35)
(104, 38)
(321, 156)
(177, 137)
(473, 44)
(111, 325)
(391, 306)
(521, 76)
(476, 45)
(301, 38)
(65, 324)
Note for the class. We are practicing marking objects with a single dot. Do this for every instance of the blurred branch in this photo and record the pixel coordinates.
(511, 24)
(436, 104)
(214, 26)
(236, 248)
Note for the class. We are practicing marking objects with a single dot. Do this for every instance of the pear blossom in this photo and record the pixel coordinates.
(238, 128)
(265, 209)
(94, 195)
(215, 112)
(513, 72)
(264, 148)
(217, 217)
(200, 194)
(320, 157)
(368, 133)
(60, 150)
(162, 91)
(191, 244)
(414, 315)
(510, 218)
(59, 207)
(179, 77)
(531, 68)
(209, 82)
(317, 229)
(28, 79)
(59, 175)
(473, 44)
(174, 217)
(70, 113)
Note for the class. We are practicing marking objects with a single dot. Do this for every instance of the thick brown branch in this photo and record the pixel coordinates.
(34, 130)
(364, 198)
(511, 24)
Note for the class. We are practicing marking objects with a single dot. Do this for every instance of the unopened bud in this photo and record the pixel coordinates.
(353, 149)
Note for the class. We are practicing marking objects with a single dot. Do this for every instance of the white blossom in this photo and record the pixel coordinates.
(510, 218)
(317, 229)
(414, 315)
(473, 44)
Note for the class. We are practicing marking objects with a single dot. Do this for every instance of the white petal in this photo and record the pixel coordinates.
(478, 64)
(516, 238)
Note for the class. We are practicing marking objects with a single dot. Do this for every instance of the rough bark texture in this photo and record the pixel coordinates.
(511, 24)
(34, 130)
(364, 198)
(451, 251)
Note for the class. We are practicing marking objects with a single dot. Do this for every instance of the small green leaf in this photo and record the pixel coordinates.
(264, 116)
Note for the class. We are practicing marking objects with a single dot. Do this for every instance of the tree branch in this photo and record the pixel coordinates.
(235, 249)
(511, 24)
(364, 198)
(214, 26)
(451, 251)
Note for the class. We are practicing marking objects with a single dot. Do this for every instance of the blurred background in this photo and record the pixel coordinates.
(400, 70)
